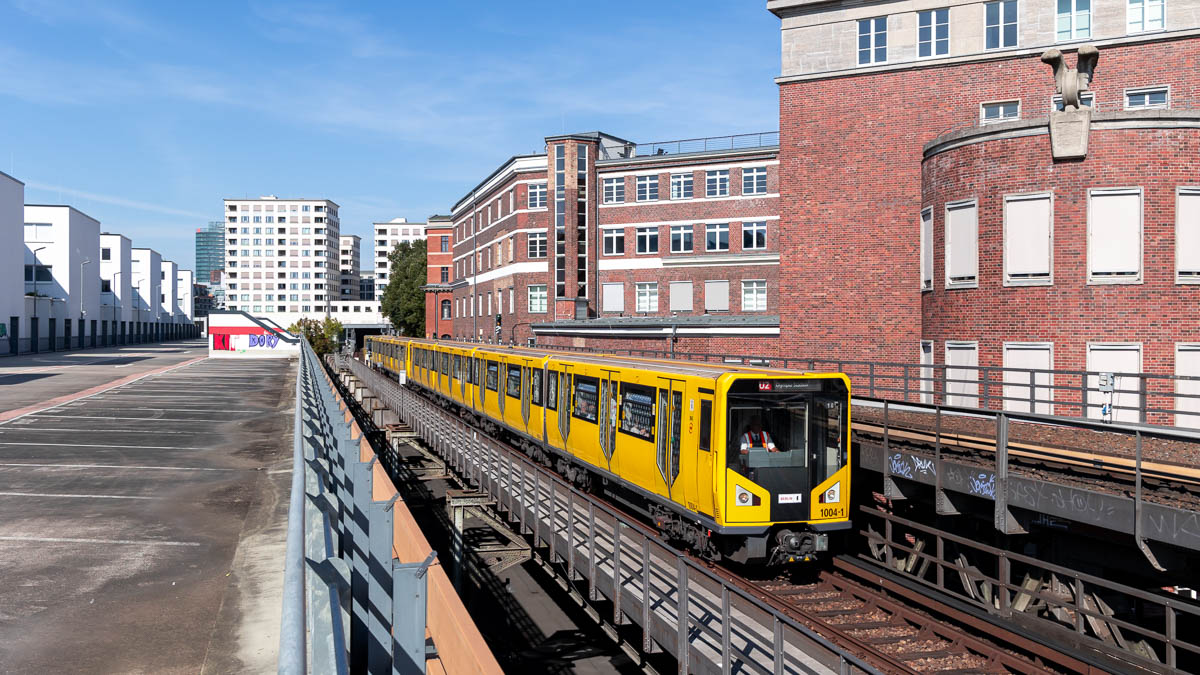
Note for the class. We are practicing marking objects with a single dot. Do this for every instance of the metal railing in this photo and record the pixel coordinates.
(710, 144)
(708, 623)
(1144, 398)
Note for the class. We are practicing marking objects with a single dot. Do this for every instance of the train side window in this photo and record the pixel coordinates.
(445, 363)
(514, 381)
(552, 390)
(637, 411)
(493, 376)
(535, 386)
(661, 454)
(586, 393)
(705, 425)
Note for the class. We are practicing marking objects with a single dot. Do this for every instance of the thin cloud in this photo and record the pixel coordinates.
(116, 201)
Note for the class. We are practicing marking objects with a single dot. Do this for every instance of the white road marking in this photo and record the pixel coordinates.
(69, 496)
(101, 445)
(77, 540)
(145, 419)
(123, 431)
(120, 466)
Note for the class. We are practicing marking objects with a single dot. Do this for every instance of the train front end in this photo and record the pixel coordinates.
(787, 463)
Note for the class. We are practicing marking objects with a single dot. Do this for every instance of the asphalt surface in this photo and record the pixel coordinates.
(142, 528)
(31, 378)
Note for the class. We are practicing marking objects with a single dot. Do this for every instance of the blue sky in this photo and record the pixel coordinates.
(146, 115)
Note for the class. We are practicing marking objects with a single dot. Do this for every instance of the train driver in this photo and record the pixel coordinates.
(755, 437)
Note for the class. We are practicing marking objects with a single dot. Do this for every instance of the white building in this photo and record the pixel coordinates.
(116, 285)
(62, 248)
(12, 307)
(349, 260)
(185, 283)
(169, 294)
(387, 236)
(147, 281)
(280, 257)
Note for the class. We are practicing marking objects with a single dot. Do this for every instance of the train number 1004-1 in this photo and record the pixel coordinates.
(834, 512)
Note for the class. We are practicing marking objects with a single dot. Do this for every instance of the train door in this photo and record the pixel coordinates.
(670, 413)
(564, 406)
(607, 420)
(705, 485)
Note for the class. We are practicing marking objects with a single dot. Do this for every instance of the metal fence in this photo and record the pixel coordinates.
(707, 622)
(348, 602)
(765, 139)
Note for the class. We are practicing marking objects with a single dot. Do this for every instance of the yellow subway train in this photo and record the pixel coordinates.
(739, 463)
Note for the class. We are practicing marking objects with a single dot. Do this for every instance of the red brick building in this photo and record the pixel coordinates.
(601, 238)
(439, 257)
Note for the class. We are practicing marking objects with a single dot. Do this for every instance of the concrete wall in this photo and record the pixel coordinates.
(184, 307)
(70, 243)
(147, 266)
(169, 298)
(118, 269)
(12, 201)
(236, 335)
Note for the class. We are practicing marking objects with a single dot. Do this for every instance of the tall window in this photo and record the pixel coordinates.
(1144, 15)
(716, 237)
(1187, 236)
(614, 242)
(1074, 20)
(681, 239)
(872, 41)
(647, 188)
(647, 240)
(927, 249)
(1115, 235)
(716, 183)
(445, 275)
(933, 32)
(446, 309)
(614, 190)
(445, 244)
(1000, 26)
(1028, 228)
(537, 298)
(962, 244)
(754, 236)
(537, 244)
(537, 195)
(754, 180)
(681, 186)
(647, 296)
(754, 296)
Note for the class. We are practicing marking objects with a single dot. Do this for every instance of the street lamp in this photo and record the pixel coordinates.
(82, 311)
(116, 299)
(35, 295)
(137, 305)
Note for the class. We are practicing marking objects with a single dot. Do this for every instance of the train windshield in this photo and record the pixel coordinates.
(782, 429)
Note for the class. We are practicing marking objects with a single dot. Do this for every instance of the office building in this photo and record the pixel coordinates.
(210, 251)
(349, 262)
(388, 236)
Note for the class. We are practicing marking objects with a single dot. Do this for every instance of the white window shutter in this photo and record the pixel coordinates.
(1027, 237)
(1187, 233)
(716, 296)
(1029, 356)
(962, 374)
(1115, 233)
(962, 243)
(614, 297)
(1115, 358)
(927, 248)
(1187, 364)
(681, 296)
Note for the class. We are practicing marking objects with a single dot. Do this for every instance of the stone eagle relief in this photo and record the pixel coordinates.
(1069, 126)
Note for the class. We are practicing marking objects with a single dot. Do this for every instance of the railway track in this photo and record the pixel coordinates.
(894, 635)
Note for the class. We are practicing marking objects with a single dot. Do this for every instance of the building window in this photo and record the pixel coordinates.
(1086, 98)
(1115, 235)
(1074, 20)
(681, 186)
(614, 242)
(754, 236)
(1144, 15)
(1000, 26)
(1028, 239)
(962, 247)
(927, 249)
(105, 254)
(647, 296)
(716, 295)
(933, 32)
(681, 296)
(754, 296)
(105, 285)
(872, 41)
(681, 239)
(537, 244)
(614, 190)
(445, 244)
(754, 180)
(716, 183)
(537, 298)
(1147, 98)
(716, 237)
(647, 240)
(446, 309)
(445, 272)
(537, 195)
(612, 297)
(647, 188)
(1187, 236)
(999, 111)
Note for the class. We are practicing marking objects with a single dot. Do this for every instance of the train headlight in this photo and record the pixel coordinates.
(832, 495)
(744, 497)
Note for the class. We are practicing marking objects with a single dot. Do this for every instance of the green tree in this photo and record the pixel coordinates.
(403, 301)
(323, 336)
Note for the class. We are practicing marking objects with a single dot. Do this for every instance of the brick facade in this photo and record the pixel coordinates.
(438, 236)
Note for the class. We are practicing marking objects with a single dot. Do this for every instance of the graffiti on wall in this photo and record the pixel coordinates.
(222, 342)
(243, 342)
(268, 341)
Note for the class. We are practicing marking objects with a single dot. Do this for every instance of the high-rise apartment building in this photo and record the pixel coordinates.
(280, 256)
(389, 235)
(349, 260)
(210, 251)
